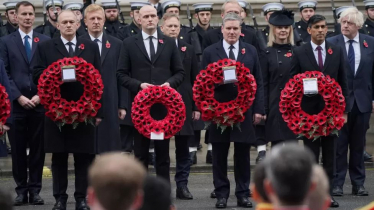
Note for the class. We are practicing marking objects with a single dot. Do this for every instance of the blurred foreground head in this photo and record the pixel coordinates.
(5, 201)
(157, 194)
(319, 198)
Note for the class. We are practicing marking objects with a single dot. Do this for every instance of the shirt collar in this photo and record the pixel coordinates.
(74, 41)
(145, 35)
(314, 46)
(100, 38)
(23, 34)
(226, 45)
(356, 39)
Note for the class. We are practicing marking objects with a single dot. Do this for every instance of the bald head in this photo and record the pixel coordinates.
(148, 19)
(67, 23)
(148, 8)
(319, 198)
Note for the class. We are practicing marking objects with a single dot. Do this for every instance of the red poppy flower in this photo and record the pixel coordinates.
(183, 49)
(243, 51)
(36, 39)
(289, 54)
(107, 45)
(329, 51)
(242, 35)
(81, 46)
(161, 41)
(366, 44)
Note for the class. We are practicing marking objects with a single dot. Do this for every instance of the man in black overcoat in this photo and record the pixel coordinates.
(81, 140)
(149, 59)
(108, 133)
(317, 56)
(232, 47)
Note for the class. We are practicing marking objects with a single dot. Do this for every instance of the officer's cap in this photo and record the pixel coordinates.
(199, 7)
(307, 4)
(369, 4)
(73, 6)
(58, 3)
(109, 4)
(272, 7)
(282, 18)
(137, 5)
(10, 4)
(243, 4)
(170, 3)
(339, 10)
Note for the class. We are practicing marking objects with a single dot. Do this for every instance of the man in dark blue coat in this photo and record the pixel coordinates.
(359, 57)
(231, 47)
(17, 52)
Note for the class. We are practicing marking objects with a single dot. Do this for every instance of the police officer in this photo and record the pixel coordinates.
(135, 26)
(10, 13)
(173, 6)
(112, 25)
(49, 28)
(243, 14)
(307, 10)
(368, 27)
(76, 8)
(269, 9)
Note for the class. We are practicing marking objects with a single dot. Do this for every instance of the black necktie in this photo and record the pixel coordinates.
(231, 53)
(71, 50)
(151, 48)
(351, 56)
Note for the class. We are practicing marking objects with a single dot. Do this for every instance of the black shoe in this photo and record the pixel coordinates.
(209, 158)
(359, 191)
(334, 204)
(151, 159)
(244, 202)
(35, 199)
(221, 203)
(261, 156)
(199, 147)
(337, 191)
(183, 193)
(367, 157)
(59, 206)
(213, 194)
(21, 200)
(193, 157)
(81, 205)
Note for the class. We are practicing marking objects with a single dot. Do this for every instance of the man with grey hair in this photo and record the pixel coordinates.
(233, 48)
(358, 50)
(289, 176)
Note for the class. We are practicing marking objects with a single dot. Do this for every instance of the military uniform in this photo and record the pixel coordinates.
(130, 30)
(301, 28)
(265, 33)
(48, 29)
(368, 27)
(184, 33)
(7, 29)
(115, 29)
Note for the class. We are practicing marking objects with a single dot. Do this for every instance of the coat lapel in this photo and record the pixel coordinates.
(310, 54)
(139, 42)
(181, 46)
(104, 49)
(160, 46)
(61, 47)
(242, 52)
(220, 51)
(364, 51)
(18, 40)
(34, 44)
(329, 56)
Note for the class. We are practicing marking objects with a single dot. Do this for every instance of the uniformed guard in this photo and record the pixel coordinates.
(368, 27)
(157, 5)
(10, 13)
(49, 28)
(112, 25)
(269, 9)
(173, 6)
(76, 7)
(307, 10)
(243, 14)
(135, 26)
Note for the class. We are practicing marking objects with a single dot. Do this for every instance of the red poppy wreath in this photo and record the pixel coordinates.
(229, 113)
(329, 121)
(59, 109)
(141, 116)
(4, 107)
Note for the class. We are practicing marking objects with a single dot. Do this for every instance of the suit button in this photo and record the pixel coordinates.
(280, 62)
(153, 67)
(281, 75)
(279, 51)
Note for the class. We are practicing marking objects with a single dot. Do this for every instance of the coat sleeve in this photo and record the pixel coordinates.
(258, 106)
(16, 93)
(265, 78)
(41, 63)
(194, 73)
(176, 68)
(4, 81)
(295, 64)
(342, 79)
(124, 71)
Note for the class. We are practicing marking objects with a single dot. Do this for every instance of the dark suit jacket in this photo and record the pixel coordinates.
(228, 92)
(4, 81)
(81, 139)
(360, 85)
(304, 60)
(19, 68)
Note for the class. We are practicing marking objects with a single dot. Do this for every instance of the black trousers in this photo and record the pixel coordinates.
(162, 163)
(183, 160)
(60, 175)
(127, 137)
(352, 136)
(242, 169)
(260, 135)
(194, 140)
(27, 130)
(328, 144)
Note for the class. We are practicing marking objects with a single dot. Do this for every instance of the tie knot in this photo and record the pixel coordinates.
(96, 40)
(319, 48)
(70, 43)
(27, 36)
(151, 37)
(231, 47)
(351, 41)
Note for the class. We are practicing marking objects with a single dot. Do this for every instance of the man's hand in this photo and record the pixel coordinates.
(36, 100)
(26, 103)
(98, 121)
(264, 117)
(257, 118)
(166, 84)
(196, 115)
(6, 128)
(145, 86)
(121, 113)
(345, 116)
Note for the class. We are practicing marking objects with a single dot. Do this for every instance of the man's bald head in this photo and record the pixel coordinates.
(319, 198)
(148, 19)
(147, 8)
(67, 23)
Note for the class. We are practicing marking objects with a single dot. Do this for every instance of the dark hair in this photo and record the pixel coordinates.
(25, 4)
(289, 169)
(157, 194)
(259, 176)
(6, 202)
(315, 19)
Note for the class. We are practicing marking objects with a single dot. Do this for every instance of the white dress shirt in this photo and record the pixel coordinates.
(315, 51)
(23, 34)
(356, 48)
(176, 41)
(100, 42)
(74, 41)
(226, 46)
(146, 42)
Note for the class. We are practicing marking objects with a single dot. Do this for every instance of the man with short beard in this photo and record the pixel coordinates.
(50, 27)
(368, 27)
(10, 13)
(112, 25)
(307, 10)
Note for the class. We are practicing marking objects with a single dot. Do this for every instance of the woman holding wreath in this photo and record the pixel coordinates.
(276, 65)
